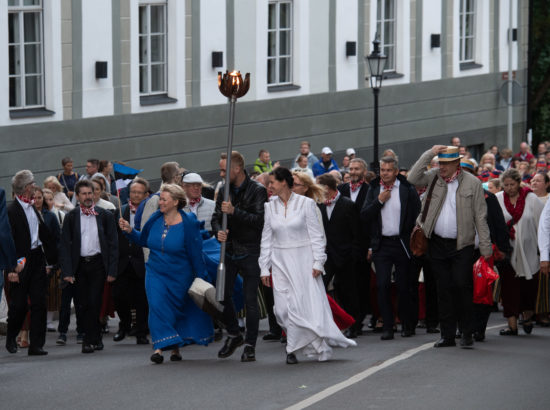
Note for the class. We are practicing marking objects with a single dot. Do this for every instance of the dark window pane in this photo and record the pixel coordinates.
(469, 25)
(33, 90)
(32, 59)
(157, 19)
(271, 71)
(272, 16)
(31, 2)
(13, 28)
(388, 33)
(284, 70)
(157, 49)
(13, 2)
(14, 62)
(388, 10)
(143, 50)
(157, 78)
(271, 43)
(143, 26)
(390, 62)
(143, 80)
(379, 6)
(285, 15)
(15, 92)
(284, 44)
(31, 27)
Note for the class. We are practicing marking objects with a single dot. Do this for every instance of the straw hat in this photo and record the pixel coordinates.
(450, 154)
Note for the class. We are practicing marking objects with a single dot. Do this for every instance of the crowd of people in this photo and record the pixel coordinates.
(316, 248)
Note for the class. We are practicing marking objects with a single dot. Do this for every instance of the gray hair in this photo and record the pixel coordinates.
(360, 161)
(20, 181)
(390, 160)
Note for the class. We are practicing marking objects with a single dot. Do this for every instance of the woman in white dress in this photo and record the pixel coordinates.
(293, 252)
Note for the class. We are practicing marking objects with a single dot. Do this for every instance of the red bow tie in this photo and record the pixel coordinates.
(387, 187)
(193, 202)
(329, 201)
(89, 211)
(354, 186)
(26, 200)
(453, 177)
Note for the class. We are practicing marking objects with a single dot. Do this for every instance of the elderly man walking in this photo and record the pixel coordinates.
(456, 211)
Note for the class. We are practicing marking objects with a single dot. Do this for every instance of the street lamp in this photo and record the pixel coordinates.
(377, 63)
(232, 86)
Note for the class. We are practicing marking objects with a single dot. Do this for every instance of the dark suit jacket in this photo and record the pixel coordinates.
(342, 231)
(69, 251)
(128, 251)
(8, 259)
(345, 190)
(410, 208)
(22, 235)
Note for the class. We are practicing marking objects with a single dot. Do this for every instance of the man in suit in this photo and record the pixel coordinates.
(8, 261)
(129, 288)
(390, 211)
(340, 219)
(30, 236)
(88, 254)
(357, 190)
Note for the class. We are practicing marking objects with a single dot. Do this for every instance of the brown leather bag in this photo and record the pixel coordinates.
(419, 242)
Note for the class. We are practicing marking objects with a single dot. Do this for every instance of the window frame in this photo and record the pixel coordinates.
(381, 7)
(277, 57)
(462, 36)
(20, 9)
(149, 64)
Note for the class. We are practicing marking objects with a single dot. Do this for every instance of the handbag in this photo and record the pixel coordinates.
(204, 296)
(419, 241)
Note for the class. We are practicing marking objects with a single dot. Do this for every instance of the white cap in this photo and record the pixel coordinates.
(326, 151)
(350, 151)
(192, 178)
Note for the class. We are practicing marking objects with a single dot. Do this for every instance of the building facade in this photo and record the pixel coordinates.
(136, 80)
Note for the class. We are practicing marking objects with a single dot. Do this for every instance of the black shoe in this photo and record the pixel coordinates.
(61, 340)
(142, 340)
(432, 330)
(175, 357)
(466, 342)
(445, 343)
(249, 354)
(407, 333)
(350, 333)
(271, 336)
(99, 346)
(479, 336)
(119, 336)
(283, 339)
(11, 345)
(231, 343)
(37, 351)
(291, 359)
(508, 332)
(157, 358)
(387, 335)
(528, 326)
(87, 348)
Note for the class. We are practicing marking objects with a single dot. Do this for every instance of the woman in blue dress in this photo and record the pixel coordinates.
(175, 260)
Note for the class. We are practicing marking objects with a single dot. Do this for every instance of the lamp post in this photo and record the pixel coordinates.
(232, 85)
(377, 63)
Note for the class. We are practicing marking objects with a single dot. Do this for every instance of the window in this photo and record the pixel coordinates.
(152, 49)
(26, 66)
(385, 27)
(467, 31)
(279, 43)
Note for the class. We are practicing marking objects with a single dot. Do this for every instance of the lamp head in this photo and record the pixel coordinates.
(231, 84)
(377, 64)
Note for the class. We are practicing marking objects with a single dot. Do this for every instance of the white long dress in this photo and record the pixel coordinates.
(293, 244)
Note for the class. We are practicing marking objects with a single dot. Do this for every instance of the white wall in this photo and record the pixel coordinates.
(431, 24)
(176, 56)
(317, 51)
(248, 15)
(504, 16)
(346, 30)
(212, 38)
(97, 45)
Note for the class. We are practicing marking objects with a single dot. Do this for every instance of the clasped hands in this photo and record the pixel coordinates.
(266, 279)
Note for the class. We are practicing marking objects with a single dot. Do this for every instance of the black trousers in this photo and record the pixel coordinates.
(129, 292)
(269, 303)
(33, 284)
(430, 288)
(249, 269)
(345, 287)
(69, 294)
(453, 270)
(481, 317)
(90, 280)
(391, 253)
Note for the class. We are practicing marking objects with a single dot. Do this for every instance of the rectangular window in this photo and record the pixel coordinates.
(25, 49)
(279, 43)
(152, 49)
(467, 30)
(385, 27)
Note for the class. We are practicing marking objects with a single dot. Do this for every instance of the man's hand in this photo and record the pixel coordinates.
(369, 255)
(13, 277)
(384, 196)
(545, 267)
(227, 208)
(316, 273)
(266, 281)
(110, 278)
(69, 279)
(124, 225)
(222, 236)
(436, 149)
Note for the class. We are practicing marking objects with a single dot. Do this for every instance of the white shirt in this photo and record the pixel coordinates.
(544, 233)
(353, 195)
(32, 220)
(89, 238)
(446, 222)
(391, 212)
(330, 207)
(132, 219)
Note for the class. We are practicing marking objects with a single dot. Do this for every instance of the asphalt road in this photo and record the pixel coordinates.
(501, 373)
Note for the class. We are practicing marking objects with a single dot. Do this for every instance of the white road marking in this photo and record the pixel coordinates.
(329, 391)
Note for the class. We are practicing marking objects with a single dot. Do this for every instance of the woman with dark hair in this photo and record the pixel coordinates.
(521, 209)
(293, 253)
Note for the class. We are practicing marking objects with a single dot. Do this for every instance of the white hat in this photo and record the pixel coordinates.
(350, 151)
(192, 178)
(326, 151)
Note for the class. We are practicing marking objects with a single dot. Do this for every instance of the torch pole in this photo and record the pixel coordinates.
(220, 279)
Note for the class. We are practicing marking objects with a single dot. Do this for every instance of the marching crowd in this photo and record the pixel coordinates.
(324, 251)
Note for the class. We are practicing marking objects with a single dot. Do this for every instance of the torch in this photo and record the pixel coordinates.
(231, 85)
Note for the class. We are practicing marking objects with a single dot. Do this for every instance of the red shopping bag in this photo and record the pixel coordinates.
(484, 276)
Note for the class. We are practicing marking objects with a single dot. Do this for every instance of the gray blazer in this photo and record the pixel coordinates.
(204, 212)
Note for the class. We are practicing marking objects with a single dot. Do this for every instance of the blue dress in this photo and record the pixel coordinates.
(174, 262)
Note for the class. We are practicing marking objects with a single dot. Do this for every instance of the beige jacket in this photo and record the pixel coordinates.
(471, 208)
